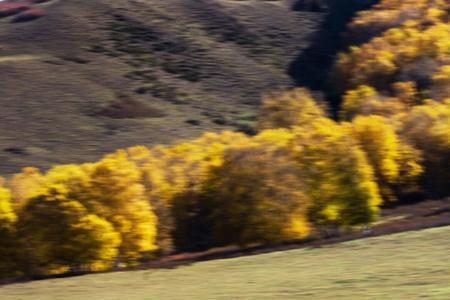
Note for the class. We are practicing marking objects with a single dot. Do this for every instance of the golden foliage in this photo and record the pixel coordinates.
(296, 107)
(405, 92)
(256, 196)
(387, 58)
(25, 185)
(427, 127)
(7, 214)
(392, 13)
(116, 194)
(336, 174)
(404, 63)
(168, 171)
(58, 234)
(441, 82)
(301, 173)
(395, 163)
(104, 214)
(365, 100)
(8, 220)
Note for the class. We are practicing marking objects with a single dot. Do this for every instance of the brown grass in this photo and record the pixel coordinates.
(191, 60)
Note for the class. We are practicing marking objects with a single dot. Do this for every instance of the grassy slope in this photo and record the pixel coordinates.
(408, 265)
(172, 60)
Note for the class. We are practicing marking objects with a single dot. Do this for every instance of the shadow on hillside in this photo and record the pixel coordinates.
(312, 67)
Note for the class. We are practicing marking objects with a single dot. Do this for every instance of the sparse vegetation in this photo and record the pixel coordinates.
(81, 55)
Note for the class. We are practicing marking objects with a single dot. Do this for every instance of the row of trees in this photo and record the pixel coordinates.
(406, 41)
(75, 218)
(402, 73)
(393, 13)
(303, 173)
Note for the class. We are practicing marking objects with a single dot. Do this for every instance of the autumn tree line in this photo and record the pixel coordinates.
(302, 174)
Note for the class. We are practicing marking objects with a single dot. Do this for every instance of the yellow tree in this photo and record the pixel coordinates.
(427, 127)
(396, 165)
(336, 175)
(365, 100)
(256, 196)
(392, 13)
(397, 53)
(296, 107)
(168, 171)
(59, 235)
(25, 185)
(8, 247)
(115, 193)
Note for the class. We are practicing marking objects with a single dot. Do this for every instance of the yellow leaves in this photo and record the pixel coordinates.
(443, 74)
(256, 195)
(122, 224)
(395, 35)
(8, 237)
(331, 212)
(65, 174)
(67, 179)
(222, 188)
(168, 171)
(427, 127)
(227, 187)
(435, 40)
(393, 161)
(336, 174)
(137, 153)
(354, 100)
(380, 142)
(384, 59)
(115, 171)
(441, 82)
(7, 214)
(98, 239)
(384, 62)
(60, 234)
(435, 14)
(428, 120)
(292, 108)
(102, 205)
(26, 185)
(115, 193)
(366, 64)
(413, 44)
(302, 170)
(299, 227)
(392, 13)
(406, 92)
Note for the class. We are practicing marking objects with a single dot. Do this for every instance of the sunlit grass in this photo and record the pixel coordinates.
(408, 265)
(19, 57)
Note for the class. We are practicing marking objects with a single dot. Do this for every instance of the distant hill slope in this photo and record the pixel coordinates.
(409, 265)
(93, 76)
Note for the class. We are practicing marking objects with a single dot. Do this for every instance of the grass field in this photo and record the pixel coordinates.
(411, 265)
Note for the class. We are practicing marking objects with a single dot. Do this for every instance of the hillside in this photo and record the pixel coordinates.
(91, 77)
(402, 266)
(175, 160)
